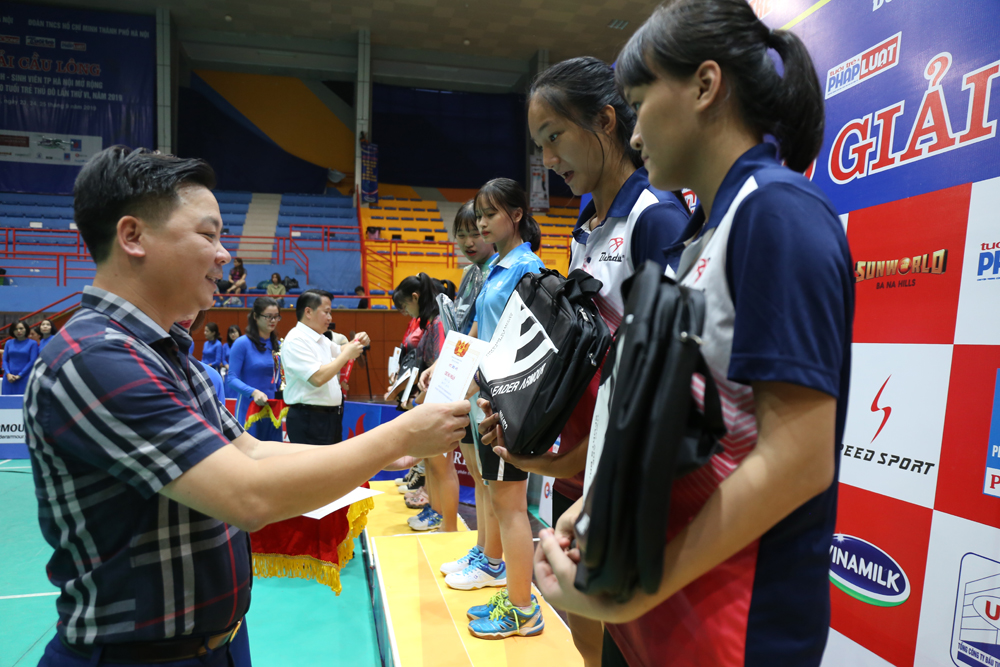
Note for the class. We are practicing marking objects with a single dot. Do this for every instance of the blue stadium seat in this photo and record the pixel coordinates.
(232, 197)
(36, 200)
(233, 207)
(379, 306)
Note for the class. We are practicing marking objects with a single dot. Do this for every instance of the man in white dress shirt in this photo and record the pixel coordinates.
(312, 364)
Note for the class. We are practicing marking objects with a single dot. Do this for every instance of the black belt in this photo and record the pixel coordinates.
(168, 650)
(329, 409)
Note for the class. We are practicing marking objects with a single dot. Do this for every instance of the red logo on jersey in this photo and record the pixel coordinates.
(700, 269)
(886, 410)
(616, 244)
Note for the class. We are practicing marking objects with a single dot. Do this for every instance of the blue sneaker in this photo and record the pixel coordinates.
(506, 620)
(428, 519)
(463, 562)
(478, 574)
(484, 610)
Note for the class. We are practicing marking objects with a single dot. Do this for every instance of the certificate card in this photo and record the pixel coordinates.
(394, 362)
(456, 368)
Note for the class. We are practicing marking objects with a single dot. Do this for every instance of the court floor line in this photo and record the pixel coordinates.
(28, 595)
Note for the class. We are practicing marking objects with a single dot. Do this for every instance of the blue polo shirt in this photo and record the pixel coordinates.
(501, 280)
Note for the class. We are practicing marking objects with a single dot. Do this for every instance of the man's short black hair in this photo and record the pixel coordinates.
(359, 288)
(311, 298)
(120, 181)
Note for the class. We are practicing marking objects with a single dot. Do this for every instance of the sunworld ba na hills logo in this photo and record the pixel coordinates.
(865, 572)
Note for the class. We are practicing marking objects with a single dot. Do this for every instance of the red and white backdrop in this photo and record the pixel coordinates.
(911, 159)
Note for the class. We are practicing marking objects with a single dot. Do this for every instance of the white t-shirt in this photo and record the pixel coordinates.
(302, 354)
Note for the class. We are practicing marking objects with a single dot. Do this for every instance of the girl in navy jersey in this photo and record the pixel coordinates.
(745, 570)
(582, 125)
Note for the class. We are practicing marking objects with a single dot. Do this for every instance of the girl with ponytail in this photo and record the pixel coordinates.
(417, 297)
(745, 571)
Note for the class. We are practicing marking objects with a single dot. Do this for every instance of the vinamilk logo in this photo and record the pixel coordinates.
(865, 572)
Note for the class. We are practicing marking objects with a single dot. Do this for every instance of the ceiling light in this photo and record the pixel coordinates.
(618, 24)
(228, 18)
(466, 42)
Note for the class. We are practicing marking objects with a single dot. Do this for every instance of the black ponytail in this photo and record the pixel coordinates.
(426, 288)
(507, 195)
(578, 89)
(682, 34)
(261, 304)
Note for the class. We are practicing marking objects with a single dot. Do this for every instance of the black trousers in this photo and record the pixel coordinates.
(311, 425)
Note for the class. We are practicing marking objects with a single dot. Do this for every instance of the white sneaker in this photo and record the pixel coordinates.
(477, 574)
(461, 563)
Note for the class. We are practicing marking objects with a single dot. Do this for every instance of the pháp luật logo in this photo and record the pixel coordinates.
(991, 485)
(989, 262)
(879, 58)
(865, 572)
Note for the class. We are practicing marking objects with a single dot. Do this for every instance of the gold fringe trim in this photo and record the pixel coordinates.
(297, 567)
(268, 413)
(307, 567)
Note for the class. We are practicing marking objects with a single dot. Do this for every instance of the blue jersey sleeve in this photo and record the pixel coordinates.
(789, 271)
(658, 228)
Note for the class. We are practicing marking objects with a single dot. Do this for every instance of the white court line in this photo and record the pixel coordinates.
(4, 461)
(16, 468)
(28, 595)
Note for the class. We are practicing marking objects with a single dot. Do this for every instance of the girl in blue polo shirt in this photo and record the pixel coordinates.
(745, 572)
(504, 219)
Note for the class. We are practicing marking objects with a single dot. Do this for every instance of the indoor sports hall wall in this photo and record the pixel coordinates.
(912, 161)
(286, 111)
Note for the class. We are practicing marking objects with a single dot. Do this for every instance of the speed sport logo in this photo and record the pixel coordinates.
(866, 573)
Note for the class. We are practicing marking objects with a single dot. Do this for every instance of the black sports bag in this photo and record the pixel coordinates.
(545, 351)
(655, 434)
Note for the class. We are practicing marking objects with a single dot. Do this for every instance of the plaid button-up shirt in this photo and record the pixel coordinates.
(114, 411)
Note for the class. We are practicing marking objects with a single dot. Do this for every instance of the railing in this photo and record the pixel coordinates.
(325, 237)
(5, 330)
(62, 255)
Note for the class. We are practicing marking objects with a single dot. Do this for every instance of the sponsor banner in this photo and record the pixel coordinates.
(991, 484)
(12, 427)
(539, 190)
(70, 74)
(47, 148)
(971, 433)
(908, 267)
(369, 172)
(908, 84)
(841, 651)
(978, 321)
(895, 418)
(960, 616)
(877, 565)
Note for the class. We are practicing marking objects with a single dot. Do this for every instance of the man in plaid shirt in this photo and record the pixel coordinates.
(145, 482)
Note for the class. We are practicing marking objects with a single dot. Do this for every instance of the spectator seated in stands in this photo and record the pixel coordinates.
(276, 288)
(363, 301)
(373, 233)
(237, 283)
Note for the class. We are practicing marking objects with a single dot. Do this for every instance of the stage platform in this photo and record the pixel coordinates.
(390, 513)
(423, 623)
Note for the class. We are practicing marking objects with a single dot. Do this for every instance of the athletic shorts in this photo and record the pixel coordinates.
(492, 467)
